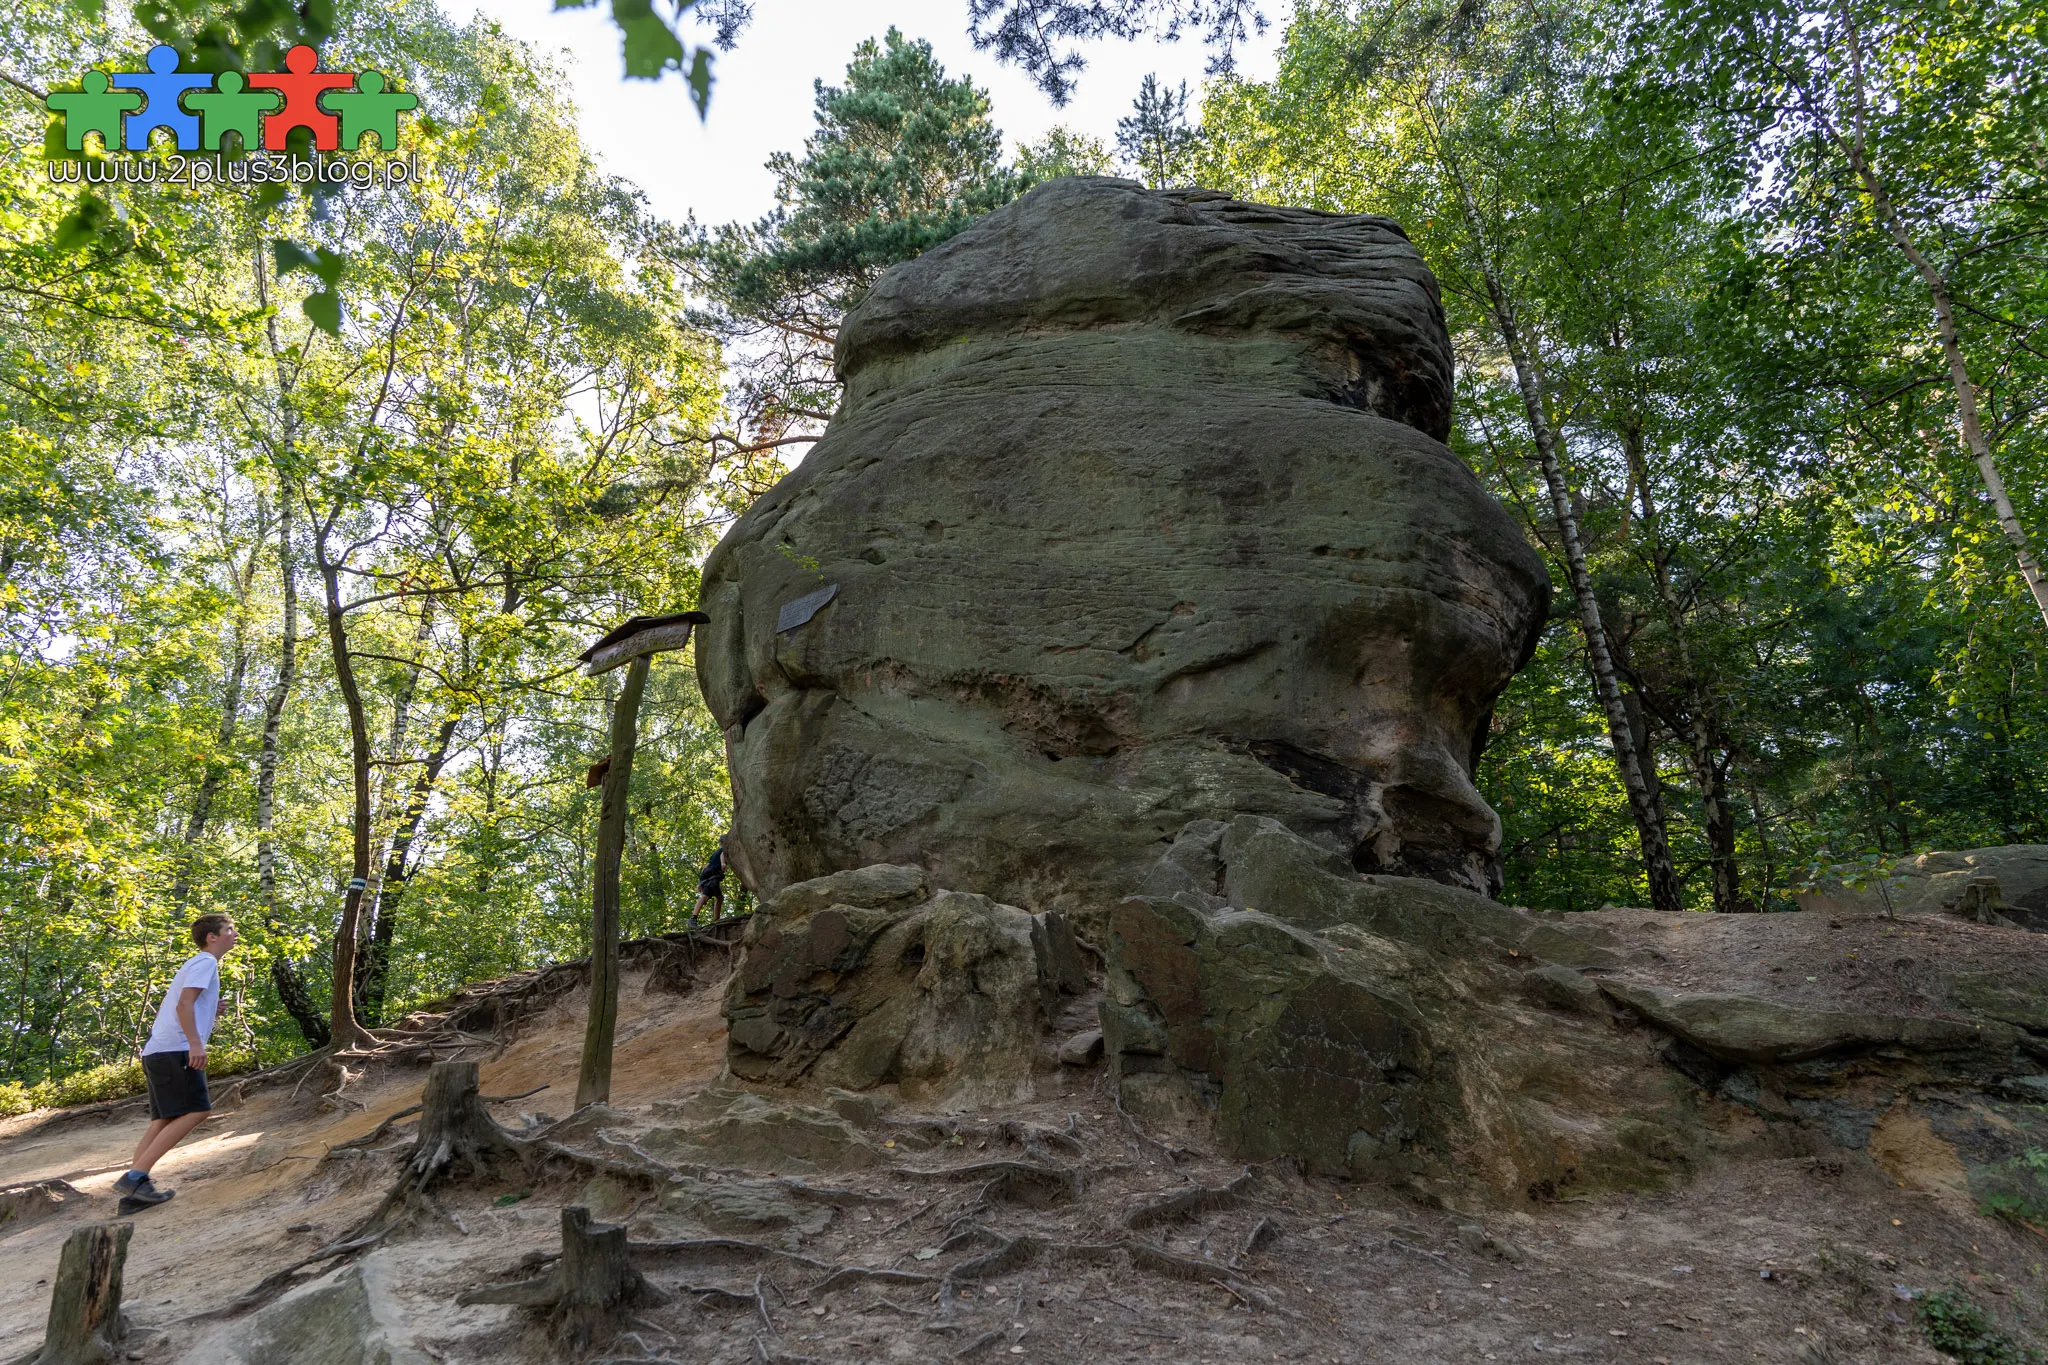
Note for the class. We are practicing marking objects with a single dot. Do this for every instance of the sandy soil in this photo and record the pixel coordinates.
(1806, 1254)
(251, 1194)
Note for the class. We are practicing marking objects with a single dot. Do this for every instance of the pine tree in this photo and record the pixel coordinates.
(1155, 136)
(904, 158)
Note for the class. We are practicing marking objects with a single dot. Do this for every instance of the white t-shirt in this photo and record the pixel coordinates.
(201, 970)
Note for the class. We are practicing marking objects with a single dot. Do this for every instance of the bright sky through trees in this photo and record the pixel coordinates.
(761, 102)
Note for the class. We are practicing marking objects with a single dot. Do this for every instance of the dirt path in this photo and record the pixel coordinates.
(250, 1176)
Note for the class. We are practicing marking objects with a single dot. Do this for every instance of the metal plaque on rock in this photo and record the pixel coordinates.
(794, 614)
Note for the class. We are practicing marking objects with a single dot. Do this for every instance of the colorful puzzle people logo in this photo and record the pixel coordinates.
(200, 109)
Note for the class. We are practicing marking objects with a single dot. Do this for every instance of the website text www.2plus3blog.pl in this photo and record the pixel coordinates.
(255, 169)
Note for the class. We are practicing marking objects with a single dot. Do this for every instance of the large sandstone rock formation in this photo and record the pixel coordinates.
(1136, 512)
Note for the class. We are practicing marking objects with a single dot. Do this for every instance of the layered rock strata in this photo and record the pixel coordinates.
(1136, 511)
(1385, 1028)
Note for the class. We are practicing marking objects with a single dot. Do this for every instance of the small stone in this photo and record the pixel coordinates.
(1083, 1049)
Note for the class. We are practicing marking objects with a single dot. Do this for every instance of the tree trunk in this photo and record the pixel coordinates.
(342, 1023)
(1696, 724)
(230, 712)
(85, 1325)
(376, 960)
(1643, 804)
(1855, 146)
(284, 974)
(454, 1126)
(589, 1294)
(594, 1084)
(385, 809)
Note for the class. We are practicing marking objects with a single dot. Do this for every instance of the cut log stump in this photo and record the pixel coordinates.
(589, 1294)
(85, 1325)
(454, 1126)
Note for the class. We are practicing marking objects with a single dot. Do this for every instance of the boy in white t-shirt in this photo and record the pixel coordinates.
(174, 1060)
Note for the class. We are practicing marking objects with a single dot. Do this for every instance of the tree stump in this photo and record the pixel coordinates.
(454, 1125)
(591, 1291)
(1983, 902)
(85, 1304)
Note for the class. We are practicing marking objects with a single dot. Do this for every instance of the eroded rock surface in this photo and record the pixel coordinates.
(1390, 1028)
(869, 977)
(1136, 511)
(346, 1317)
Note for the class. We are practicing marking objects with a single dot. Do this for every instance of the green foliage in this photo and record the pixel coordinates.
(2018, 1188)
(113, 1080)
(1063, 151)
(1815, 618)
(903, 158)
(502, 444)
(1955, 1325)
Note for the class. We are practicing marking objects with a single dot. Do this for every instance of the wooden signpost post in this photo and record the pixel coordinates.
(633, 644)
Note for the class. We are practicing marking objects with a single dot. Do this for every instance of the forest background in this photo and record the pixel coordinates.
(307, 503)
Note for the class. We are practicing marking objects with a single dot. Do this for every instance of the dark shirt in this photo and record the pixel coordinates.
(712, 878)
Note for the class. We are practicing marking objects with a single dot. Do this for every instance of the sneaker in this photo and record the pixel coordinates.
(145, 1195)
(128, 1181)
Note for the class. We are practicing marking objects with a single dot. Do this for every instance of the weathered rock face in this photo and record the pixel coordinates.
(348, 1316)
(1388, 1028)
(1136, 512)
(1376, 1028)
(868, 977)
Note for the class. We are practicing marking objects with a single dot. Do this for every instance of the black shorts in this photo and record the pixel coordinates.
(175, 1089)
(711, 890)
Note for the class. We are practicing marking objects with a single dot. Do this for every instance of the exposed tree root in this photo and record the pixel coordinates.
(453, 1127)
(711, 1249)
(1187, 1203)
(853, 1274)
(275, 1283)
(1167, 1150)
(371, 1138)
(1262, 1233)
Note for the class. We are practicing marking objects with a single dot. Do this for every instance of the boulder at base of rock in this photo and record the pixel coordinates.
(867, 978)
(346, 1317)
(1373, 1027)
(1136, 510)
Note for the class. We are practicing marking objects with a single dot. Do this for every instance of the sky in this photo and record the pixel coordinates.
(761, 101)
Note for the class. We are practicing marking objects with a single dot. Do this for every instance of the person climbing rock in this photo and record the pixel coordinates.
(711, 883)
(174, 1060)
